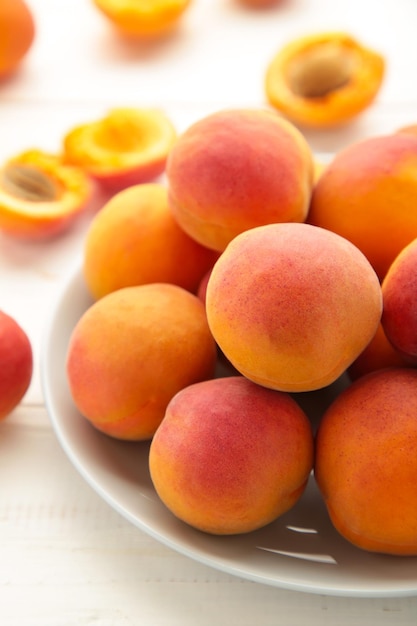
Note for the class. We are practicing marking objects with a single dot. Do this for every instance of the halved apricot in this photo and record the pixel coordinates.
(324, 79)
(40, 195)
(126, 147)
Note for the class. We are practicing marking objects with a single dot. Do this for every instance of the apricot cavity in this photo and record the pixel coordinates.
(292, 305)
(237, 169)
(132, 351)
(230, 456)
(324, 79)
(366, 462)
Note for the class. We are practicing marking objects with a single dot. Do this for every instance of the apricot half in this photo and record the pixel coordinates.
(324, 79)
(366, 462)
(143, 18)
(292, 305)
(237, 169)
(126, 147)
(231, 456)
(40, 196)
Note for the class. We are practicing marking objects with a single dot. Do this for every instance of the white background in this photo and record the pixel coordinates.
(65, 557)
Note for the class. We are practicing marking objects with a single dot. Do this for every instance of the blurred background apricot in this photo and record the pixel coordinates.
(17, 33)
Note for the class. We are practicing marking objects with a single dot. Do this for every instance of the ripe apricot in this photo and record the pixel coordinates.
(236, 169)
(132, 351)
(368, 193)
(366, 462)
(126, 147)
(324, 79)
(292, 305)
(230, 456)
(17, 33)
(16, 364)
(135, 240)
(143, 18)
(40, 196)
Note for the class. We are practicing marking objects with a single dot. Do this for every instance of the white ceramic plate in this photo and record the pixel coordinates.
(300, 551)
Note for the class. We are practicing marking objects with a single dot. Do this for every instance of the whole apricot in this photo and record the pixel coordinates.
(399, 293)
(132, 351)
(16, 364)
(236, 169)
(366, 462)
(17, 33)
(292, 305)
(231, 456)
(368, 194)
(135, 240)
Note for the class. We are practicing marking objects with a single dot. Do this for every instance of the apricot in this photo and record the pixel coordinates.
(236, 169)
(17, 34)
(230, 457)
(367, 194)
(399, 293)
(16, 364)
(126, 147)
(378, 354)
(143, 18)
(366, 462)
(132, 351)
(324, 79)
(40, 196)
(135, 240)
(292, 305)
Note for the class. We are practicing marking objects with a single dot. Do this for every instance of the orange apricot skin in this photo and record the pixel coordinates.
(230, 456)
(143, 18)
(27, 219)
(367, 194)
(336, 107)
(138, 220)
(366, 465)
(132, 351)
(16, 364)
(126, 147)
(17, 34)
(238, 169)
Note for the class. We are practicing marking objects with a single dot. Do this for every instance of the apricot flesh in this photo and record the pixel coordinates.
(131, 351)
(127, 146)
(292, 305)
(16, 364)
(366, 463)
(237, 169)
(135, 240)
(367, 194)
(230, 456)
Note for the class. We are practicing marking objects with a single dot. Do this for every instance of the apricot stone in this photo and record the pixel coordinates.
(368, 194)
(237, 169)
(132, 351)
(231, 456)
(134, 240)
(366, 462)
(292, 305)
(16, 364)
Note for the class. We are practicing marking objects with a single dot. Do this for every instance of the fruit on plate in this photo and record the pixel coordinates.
(143, 18)
(135, 240)
(17, 34)
(292, 305)
(236, 169)
(399, 292)
(231, 456)
(40, 196)
(368, 194)
(366, 462)
(132, 351)
(16, 364)
(324, 79)
(125, 147)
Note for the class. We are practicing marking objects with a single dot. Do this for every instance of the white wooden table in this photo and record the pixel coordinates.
(66, 557)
